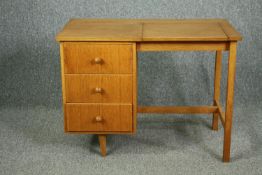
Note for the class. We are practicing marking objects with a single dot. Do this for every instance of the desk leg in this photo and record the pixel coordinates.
(102, 143)
(218, 67)
(229, 100)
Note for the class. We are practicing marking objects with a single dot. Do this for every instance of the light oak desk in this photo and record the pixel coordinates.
(99, 71)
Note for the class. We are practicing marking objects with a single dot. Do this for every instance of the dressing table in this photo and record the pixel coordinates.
(99, 71)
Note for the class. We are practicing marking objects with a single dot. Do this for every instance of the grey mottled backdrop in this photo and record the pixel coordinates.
(29, 54)
(32, 140)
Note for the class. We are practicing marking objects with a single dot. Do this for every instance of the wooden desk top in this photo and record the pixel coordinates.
(143, 30)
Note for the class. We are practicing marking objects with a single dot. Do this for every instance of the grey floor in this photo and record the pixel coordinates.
(32, 142)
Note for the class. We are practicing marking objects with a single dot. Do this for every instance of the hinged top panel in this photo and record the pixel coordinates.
(142, 30)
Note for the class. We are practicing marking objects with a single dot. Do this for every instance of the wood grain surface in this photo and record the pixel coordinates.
(83, 117)
(98, 88)
(80, 57)
(142, 30)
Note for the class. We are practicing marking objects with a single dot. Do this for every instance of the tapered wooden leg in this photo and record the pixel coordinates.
(102, 143)
(218, 67)
(229, 100)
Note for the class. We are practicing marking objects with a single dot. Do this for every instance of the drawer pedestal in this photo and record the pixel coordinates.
(99, 88)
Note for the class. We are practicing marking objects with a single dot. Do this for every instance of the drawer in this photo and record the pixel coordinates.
(84, 57)
(98, 117)
(93, 88)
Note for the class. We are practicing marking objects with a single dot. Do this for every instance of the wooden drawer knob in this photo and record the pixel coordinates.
(98, 60)
(98, 118)
(98, 90)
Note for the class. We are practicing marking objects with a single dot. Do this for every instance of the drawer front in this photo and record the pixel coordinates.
(83, 57)
(98, 117)
(98, 88)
